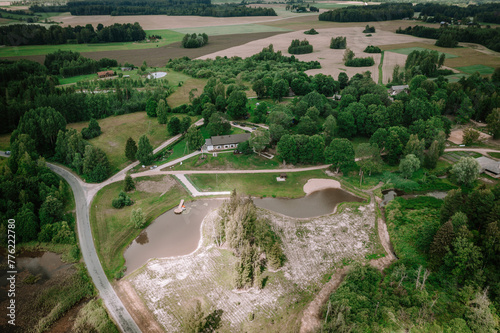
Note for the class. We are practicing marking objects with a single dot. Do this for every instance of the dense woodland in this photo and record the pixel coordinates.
(23, 34)
(449, 36)
(155, 7)
(485, 12)
(383, 12)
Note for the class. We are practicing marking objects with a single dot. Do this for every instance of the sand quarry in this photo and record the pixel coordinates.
(331, 60)
(313, 247)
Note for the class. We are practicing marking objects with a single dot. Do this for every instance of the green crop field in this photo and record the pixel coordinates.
(168, 37)
(408, 50)
(231, 29)
(482, 69)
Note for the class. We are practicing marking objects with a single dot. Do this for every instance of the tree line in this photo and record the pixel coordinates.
(382, 12)
(34, 34)
(488, 37)
(155, 7)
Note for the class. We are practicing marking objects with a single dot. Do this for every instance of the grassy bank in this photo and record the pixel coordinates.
(263, 184)
(228, 161)
(112, 228)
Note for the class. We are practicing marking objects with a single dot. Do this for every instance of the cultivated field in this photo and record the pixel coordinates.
(313, 248)
(331, 60)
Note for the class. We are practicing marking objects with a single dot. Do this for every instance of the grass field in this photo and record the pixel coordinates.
(263, 184)
(168, 37)
(495, 155)
(456, 155)
(483, 70)
(228, 161)
(117, 129)
(181, 95)
(408, 50)
(5, 141)
(112, 229)
(231, 29)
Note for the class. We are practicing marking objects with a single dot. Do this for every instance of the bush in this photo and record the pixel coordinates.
(372, 49)
(122, 201)
(311, 32)
(300, 47)
(369, 29)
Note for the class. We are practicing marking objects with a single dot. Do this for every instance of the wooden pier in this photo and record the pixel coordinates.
(180, 208)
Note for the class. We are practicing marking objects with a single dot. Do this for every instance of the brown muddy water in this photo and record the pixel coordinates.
(315, 204)
(172, 235)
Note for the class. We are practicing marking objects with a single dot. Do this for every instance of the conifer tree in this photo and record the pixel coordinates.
(129, 183)
(130, 149)
(441, 243)
(144, 151)
(161, 112)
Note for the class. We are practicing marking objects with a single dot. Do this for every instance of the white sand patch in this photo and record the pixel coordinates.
(314, 185)
(330, 60)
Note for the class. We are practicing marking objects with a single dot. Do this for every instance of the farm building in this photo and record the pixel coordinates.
(105, 74)
(397, 89)
(225, 141)
(124, 69)
(489, 166)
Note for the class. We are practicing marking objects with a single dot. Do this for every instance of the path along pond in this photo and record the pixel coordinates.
(172, 235)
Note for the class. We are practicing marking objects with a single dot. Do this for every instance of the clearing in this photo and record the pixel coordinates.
(313, 249)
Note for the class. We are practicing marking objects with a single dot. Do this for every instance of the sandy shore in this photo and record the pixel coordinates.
(314, 185)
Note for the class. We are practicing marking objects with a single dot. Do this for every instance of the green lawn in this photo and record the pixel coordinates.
(74, 79)
(482, 69)
(231, 29)
(409, 50)
(5, 141)
(228, 161)
(263, 184)
(169, 37)
(117, 129)
(112, 229)
(454, 156)
(495, 155)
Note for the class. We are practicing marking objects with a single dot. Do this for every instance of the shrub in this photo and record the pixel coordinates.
(300, 47)
(369, 29)
(372, 49)
(311, 32)
(122, 201)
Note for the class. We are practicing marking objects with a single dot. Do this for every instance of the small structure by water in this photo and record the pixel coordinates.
(180, 208)
(157, 75)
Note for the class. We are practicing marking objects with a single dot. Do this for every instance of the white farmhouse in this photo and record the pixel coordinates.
(222, 142)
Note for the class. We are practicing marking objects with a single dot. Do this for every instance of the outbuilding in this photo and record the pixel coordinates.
(489, 166)
(222, 142)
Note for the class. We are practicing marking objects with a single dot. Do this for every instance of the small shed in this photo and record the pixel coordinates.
(489, 166)
(398, 89)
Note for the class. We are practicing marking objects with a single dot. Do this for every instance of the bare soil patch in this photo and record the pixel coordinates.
(151, 186)
(392, 59)
(331, 60)
(313, 248)
(155, 22)
(314, 185)
(135, 306)
(457, 136)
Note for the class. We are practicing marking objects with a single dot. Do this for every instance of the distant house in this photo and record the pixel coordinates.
(225, 141)
(124, 69)
(105, 74)
(397, 89)
(489, 166)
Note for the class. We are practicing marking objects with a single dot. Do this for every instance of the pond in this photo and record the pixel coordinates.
(174, 235)
(157, 75)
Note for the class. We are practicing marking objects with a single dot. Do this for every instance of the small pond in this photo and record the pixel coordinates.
(157, 75)
(173, 235)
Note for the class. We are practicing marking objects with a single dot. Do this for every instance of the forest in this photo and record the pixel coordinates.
(483, 12)
(383, 12)
(489, 37)
(155, 7)
(22, 34)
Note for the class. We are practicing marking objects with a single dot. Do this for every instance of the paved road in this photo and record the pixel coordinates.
(2, 153)
(106, 291)
(194, 192)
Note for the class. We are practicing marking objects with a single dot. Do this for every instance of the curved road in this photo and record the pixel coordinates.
(106, 291)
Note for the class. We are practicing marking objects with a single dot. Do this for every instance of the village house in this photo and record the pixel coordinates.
(222, 142)
(489, 166)
(105, 74)
(398, 89)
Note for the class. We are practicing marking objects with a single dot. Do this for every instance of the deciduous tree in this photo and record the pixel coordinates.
(466, 170)
(340, 153)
